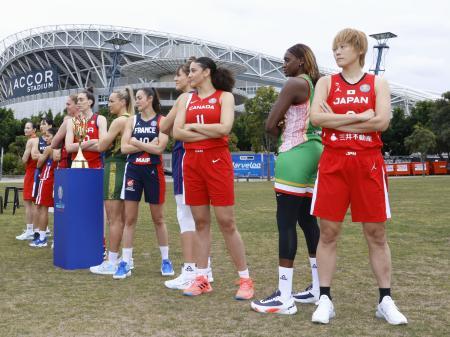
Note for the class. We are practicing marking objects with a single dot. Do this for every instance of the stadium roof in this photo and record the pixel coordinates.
(84, 57)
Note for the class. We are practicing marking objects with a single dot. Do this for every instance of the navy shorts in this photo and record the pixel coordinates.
(147, 178)
(37, 173)
(177, 170)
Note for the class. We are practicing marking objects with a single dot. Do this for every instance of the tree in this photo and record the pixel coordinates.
(440, 123)
(9, 127)
(422, 140)
(249, 126)
(400, 127)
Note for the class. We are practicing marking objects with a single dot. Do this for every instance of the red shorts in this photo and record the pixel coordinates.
(355, 178)
(45, 193)
(28, 181)
(208, 177)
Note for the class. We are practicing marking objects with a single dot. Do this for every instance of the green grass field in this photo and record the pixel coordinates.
(38, 299)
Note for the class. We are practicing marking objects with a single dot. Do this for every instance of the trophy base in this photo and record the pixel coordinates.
(79, 161)
(79, 164)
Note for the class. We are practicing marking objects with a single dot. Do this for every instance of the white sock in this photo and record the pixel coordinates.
(36, 230)
(29, 227)
(209, 262)
(314, 274)
(127, 254)
(202, 272)
(244, 273)
(189, 270)
(285, 281)
(112, 257)
(42, 235)
(164, 252)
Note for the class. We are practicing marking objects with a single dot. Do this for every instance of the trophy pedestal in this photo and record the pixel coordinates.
(78, 229)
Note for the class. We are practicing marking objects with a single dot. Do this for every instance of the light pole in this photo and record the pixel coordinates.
(382, 39)
(117, 43)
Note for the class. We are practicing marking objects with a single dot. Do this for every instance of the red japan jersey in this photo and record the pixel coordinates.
(346, 98)
(92, 133)
(205, 111)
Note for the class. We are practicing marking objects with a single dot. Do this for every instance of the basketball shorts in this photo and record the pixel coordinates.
(355, 178)
(113, 179)
(208, 177)
(28, 180)
(45, 193)
(296, 169)
(144, 178)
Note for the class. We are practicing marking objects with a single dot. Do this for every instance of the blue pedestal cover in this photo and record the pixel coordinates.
(78, 228)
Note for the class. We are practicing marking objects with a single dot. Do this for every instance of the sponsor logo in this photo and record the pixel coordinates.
(314, 266)
(338, 88)
(142, 160)
(333, 137)
(365, 87)
(350, 112)
(374, 167)
(153, 123)
(348, 100)
(189, 268)
(130, 185)
(350, 153)
(60, 192)
(246, 166)
(212, 101)
(215, 160)
(351, 92)
(283, 277)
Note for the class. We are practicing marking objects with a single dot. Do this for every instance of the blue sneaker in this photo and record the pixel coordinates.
(123, 271)
(37, 242)
(166, 268)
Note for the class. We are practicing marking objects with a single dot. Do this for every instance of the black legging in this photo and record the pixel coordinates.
(290, 210)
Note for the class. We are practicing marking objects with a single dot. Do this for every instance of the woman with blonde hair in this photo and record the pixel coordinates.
(121, 105)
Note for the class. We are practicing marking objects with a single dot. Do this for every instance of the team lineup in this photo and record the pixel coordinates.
(329, 158)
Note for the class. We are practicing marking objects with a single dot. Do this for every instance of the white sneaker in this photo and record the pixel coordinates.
(324, 311)
(275, 304)
(389, 311)
(181, 282)
(106, 268)
(26, 235)
(307, 296)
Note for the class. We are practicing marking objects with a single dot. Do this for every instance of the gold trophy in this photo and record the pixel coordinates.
(79, 131)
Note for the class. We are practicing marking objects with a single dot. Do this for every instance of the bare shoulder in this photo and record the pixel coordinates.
(226, 96)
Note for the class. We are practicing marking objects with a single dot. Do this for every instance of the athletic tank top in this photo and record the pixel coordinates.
(31, 164)
(145, 131)
(298, 128)
(92, 133)
(42, 145)
(346, 98)
(114, 153)
(47, 171)
(205, 111)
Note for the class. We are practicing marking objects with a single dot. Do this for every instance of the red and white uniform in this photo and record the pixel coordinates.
(351, 169)
(46, 181)
(207, 166)
(93, 158)
(28, 179)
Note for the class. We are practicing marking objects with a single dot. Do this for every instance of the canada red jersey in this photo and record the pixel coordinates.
(205, 111)
(346, 98)
(92, 133)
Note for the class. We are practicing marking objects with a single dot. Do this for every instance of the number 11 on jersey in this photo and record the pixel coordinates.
(200, 119)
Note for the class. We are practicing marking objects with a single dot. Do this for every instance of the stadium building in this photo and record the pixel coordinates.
(40, 67)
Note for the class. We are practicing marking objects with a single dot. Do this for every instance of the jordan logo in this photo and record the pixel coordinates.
(283, 277)
(374, 167)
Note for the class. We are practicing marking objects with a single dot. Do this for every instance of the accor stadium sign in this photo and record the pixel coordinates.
(34, 82)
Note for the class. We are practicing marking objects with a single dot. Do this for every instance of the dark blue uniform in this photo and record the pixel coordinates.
(144, 171)
(41, 146)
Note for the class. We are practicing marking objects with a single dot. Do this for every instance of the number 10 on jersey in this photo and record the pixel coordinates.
(200, 119)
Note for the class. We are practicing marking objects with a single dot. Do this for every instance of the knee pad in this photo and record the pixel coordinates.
(184, 215)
